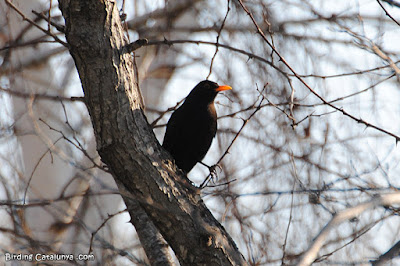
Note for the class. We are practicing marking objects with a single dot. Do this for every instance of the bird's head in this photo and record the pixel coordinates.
(205, 92)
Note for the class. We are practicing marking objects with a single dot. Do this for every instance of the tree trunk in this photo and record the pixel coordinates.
(127, 144)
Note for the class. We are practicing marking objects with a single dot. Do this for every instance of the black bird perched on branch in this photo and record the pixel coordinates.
(192, 127)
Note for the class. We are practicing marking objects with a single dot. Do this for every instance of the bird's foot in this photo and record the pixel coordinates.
(214, 173)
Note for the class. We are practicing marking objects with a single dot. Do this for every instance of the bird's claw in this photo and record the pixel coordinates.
(214, 173)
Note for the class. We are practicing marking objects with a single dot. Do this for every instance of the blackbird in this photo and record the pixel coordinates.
(192, 127)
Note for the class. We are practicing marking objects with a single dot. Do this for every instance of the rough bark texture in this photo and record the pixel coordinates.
(126, 142)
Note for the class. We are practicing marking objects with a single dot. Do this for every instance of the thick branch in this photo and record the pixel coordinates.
(126, 142)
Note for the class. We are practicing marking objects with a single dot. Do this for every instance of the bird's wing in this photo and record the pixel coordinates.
(172, 130)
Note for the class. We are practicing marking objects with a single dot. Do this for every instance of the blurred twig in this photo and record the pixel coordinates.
(383, 200)
(283, 60)
(48, 32)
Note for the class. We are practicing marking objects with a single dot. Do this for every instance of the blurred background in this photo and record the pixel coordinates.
(294, 165)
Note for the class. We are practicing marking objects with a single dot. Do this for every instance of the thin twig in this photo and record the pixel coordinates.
(78, 146)
(38, 96)
(291, 104)
(225, 46)
(387, 13)
(283, 60)
(48, 32)
(217, 41)
(101, 226)
(245, 121)
(392, 3)
(346, 74)
(48, 150)
(41, 15)
(154, 123)
(288, 227)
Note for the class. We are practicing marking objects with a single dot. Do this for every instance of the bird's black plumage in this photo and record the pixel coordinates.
(192, 127)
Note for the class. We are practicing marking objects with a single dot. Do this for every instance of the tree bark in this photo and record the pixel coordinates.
(126, 143)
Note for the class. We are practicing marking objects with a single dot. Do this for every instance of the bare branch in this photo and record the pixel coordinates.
(48, 32)
(387, 13)
(358, 120)
(381, 200)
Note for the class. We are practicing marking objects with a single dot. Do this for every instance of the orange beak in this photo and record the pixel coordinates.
(223, 88)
